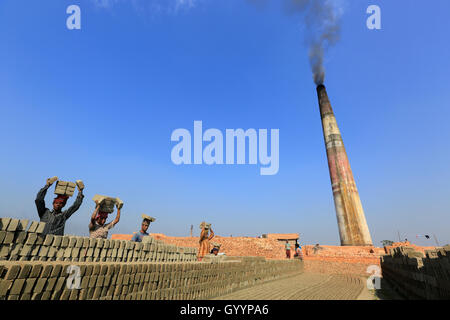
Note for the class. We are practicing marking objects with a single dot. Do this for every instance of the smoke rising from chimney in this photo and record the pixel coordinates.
(322, 19)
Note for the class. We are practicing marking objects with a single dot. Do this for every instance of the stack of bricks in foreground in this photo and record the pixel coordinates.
(416, 276)
(34, 267)
(135, 280)
(16, 244)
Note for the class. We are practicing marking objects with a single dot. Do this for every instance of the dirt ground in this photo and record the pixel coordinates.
(313, 286)
(306, 286)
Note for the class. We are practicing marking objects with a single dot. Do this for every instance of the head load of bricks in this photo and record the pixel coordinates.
(148, 218)
(107, 204)
(65, 188)
(205, 225)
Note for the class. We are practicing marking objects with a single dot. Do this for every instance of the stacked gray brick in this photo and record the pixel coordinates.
(17, 243)
(416, 276)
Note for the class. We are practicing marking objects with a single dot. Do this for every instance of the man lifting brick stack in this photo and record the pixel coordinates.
(55, 220)
(98, 228)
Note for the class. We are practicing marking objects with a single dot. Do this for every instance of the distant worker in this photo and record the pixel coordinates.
(287, 246)
(298, 252)
(216, 248)
(317, 248)
(215, 251)
(137, 236)
(98, 228)
(205, 237)
(55, 220)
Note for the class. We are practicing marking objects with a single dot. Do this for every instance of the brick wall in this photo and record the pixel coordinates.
(231, 246)
(418, 276)
(282, 236)
(36, 280)
(348, 259)
(408, 244)
(17, 243)
(339, 266)
(352, 260)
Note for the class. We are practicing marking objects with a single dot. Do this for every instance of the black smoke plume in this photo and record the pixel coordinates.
(323, 27)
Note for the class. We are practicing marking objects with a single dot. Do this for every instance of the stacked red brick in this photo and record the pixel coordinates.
(341, 260)
(231, 246)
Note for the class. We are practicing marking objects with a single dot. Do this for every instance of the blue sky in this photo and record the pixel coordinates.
(100, 104)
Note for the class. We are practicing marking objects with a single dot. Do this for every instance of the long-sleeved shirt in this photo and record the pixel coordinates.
(55, 222)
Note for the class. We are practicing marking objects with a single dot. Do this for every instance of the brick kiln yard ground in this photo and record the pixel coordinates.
(306, 286)
(315, 286)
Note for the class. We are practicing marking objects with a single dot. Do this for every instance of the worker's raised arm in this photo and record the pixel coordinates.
(211, 235)
(40, 202)
(94, 215)
(75, 206)
(117, 219)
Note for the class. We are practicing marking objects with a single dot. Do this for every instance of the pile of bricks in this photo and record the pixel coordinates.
(65, 188)
(19, 244)
(36, 280)
(418, 276)
(16, 242)
(408, 244)
(34, 266)
(343, 251)
(350, 260)
(232, 246)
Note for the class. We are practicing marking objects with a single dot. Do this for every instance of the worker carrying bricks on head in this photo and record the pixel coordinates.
(137, 236)
(98, 228)
(216, 248)
(55, 220)
(205, 237)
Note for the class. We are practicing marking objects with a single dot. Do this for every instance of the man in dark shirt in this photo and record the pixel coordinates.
(55, 220)
(137, 236)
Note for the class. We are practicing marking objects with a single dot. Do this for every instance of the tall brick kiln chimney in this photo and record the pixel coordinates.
(353, 229)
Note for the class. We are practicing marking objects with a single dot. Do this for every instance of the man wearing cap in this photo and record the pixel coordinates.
(55, 220)
(137, 236)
